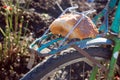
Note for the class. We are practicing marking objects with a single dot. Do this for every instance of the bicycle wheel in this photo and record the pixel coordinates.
(58, 64)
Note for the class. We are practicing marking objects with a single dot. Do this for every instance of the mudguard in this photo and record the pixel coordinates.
(85, 43)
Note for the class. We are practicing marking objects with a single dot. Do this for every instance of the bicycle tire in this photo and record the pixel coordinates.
(42, 69)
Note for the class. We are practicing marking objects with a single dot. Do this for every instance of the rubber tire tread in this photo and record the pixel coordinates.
(45, 67)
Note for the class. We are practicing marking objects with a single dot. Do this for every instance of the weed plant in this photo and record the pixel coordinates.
(14, 42)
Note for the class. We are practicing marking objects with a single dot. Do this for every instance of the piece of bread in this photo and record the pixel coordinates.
(64, 24)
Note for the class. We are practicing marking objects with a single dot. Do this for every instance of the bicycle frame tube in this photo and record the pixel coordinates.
(114, 59)
(115, 27)
(112, 62)
(110, 7)
(115, 24)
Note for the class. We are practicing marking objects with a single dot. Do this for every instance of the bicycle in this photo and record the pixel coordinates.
(87, 48)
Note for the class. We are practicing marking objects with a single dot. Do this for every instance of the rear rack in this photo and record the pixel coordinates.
(81, 43)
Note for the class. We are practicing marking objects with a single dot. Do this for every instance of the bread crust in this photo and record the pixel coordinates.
(85, 29)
